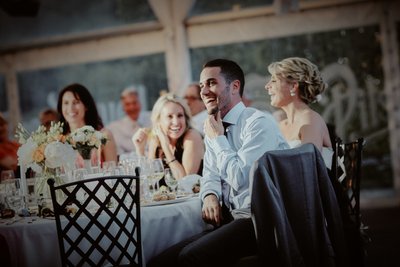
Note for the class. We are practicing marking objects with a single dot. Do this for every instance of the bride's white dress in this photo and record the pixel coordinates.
(326, 152)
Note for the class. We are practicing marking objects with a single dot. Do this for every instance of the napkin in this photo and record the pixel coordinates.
(187, 182)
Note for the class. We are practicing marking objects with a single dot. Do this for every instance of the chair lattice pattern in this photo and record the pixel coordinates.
(348, 173)
(98, 221)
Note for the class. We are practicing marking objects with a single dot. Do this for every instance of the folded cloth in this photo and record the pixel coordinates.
(187, 182)
(241, 213)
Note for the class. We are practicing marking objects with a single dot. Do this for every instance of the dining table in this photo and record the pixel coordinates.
(32, 241)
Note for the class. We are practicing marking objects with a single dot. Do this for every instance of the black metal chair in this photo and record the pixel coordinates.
(347, 160)
(98, 221)
(346, 178)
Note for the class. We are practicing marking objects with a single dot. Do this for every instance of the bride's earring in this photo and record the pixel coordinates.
(292, 93)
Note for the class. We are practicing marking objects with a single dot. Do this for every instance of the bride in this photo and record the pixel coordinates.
(295, 83)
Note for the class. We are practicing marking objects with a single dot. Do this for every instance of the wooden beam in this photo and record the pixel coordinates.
(63, 39)
(268, 26)
(107, 48)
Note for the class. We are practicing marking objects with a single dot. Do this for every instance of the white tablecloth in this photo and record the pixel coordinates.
(35, 244)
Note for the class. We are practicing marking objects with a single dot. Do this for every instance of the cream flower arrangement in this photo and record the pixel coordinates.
(85, 139)
(41, 150)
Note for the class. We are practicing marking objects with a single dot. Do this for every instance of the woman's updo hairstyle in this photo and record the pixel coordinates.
(301, 70)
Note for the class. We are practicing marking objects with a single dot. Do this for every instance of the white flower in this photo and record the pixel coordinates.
(41, 149)
(25, 152)
(35, 167)
(87, 137)
(55, 154)
(69, 155)
(88, 128)
(78, 137)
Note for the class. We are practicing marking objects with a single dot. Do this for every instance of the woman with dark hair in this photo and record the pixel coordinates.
(77, 108)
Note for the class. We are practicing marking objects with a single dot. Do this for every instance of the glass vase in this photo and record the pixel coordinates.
(42, 188)
(86, 154)
(87, 164)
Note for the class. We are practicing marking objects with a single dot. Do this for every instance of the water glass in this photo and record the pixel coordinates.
(170, 180)
(109, 168)
(79, 174)
(156, 171)
(13, 194)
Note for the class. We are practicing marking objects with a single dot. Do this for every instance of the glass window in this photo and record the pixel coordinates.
(350, 60)
(56, 18)
(207, 6)
(105, 80)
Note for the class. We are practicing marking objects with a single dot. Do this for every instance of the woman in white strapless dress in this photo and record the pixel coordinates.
(295, 83)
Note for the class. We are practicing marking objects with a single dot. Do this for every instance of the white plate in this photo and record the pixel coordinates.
(165, 202)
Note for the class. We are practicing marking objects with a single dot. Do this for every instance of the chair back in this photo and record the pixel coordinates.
(295, 211)
(347, 163)
(346, 179)
(98, 221)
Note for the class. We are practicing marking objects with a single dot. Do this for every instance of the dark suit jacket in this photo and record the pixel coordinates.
(295, 211)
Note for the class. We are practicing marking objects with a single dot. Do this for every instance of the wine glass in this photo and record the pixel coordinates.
(157, 170)
(170, 180)
(109, 167)
(145, 178)
(13, 194)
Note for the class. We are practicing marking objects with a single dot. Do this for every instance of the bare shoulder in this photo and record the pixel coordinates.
(312, 117)
(193, 135)
(106, 132)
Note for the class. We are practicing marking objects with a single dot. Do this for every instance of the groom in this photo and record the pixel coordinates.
(235, 137)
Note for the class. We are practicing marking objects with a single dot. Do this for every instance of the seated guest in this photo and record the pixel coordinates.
(77, 108)
(8, 149)
(123, 129)
(197, 107)
(294, 84)
(172, 137)
(235, 137)
(47, 116)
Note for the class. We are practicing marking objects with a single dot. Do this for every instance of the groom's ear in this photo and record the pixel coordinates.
(235, 87)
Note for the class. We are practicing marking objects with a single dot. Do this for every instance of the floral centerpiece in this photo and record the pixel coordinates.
(85, 139)
(44, 152)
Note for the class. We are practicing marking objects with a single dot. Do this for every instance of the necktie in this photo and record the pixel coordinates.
(225, 186)
(226, 125)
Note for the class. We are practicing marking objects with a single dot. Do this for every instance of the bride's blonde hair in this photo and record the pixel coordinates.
(302, 71)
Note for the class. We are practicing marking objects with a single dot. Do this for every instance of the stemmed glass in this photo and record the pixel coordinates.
(157, 170)
(145, 178)
(13, 194)
(109, 168)
(170, 180)
(79, 174)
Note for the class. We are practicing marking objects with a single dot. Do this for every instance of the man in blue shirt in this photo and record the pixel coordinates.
(235, 137)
